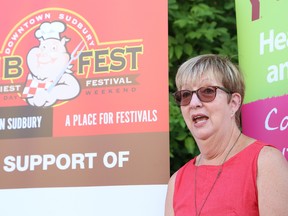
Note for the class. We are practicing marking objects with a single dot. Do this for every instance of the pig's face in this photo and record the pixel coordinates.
(48, 60)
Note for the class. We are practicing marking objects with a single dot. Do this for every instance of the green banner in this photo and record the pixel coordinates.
(263, 58)
(263, 47)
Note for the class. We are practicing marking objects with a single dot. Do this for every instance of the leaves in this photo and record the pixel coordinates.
(195, 27)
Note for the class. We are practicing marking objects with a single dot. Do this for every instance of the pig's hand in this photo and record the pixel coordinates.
(43, 98)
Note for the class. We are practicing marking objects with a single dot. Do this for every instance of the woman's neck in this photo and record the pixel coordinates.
(216, 149)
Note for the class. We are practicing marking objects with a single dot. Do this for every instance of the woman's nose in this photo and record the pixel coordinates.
(195, 101)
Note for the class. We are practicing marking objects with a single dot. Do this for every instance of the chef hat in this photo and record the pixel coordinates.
(50, 30)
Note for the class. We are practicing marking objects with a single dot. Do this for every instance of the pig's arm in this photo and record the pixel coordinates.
(67, 88)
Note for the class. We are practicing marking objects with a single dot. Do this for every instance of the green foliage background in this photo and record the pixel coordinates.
(195, 27)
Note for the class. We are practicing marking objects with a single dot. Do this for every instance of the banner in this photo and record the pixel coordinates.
(84, 120)
(263, 57)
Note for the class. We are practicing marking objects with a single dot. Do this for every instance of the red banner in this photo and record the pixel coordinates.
(84, 95)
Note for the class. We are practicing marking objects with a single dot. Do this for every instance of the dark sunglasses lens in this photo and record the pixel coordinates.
(206, 94)
(183, 97)
(177, 97)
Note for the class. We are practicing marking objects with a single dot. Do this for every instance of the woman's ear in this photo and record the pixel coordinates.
(235, 103)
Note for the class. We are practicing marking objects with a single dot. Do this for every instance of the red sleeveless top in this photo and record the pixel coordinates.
(234, 193)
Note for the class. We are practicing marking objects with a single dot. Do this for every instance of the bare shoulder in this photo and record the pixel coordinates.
(170, 191)
(271, 157)
(173, 178)
(270, 161)
(169, 211)
(272, 178)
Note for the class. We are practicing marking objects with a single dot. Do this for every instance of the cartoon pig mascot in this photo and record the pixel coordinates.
(50, 78)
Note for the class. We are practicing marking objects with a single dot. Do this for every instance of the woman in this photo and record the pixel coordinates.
(234, 174)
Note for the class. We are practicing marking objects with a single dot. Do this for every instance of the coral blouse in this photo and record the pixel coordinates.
(234, 193)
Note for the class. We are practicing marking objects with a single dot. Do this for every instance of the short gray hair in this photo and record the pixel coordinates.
(221, 67)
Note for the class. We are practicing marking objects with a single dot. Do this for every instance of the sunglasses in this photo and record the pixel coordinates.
(205, 94)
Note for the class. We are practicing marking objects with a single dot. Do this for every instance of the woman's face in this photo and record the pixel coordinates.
(207, 118)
